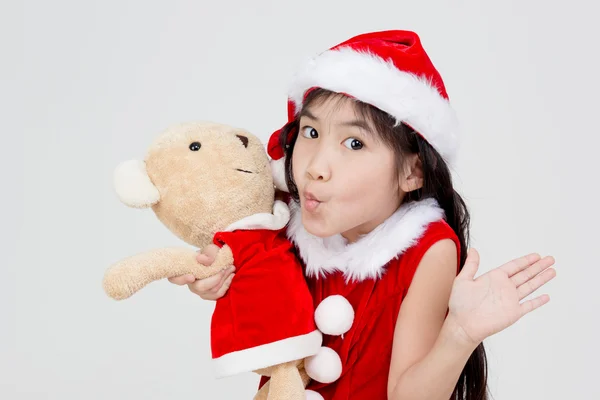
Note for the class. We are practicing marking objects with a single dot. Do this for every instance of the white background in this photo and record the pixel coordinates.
(86, 85)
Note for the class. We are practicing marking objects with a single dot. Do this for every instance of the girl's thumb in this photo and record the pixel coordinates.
(471, 265)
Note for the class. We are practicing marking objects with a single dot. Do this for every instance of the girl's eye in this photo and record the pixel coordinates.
(353, 144)
(310, 132)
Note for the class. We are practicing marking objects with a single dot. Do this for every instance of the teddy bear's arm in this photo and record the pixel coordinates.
(128, 276)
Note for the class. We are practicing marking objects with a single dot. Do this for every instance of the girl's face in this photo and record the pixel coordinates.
(346, 176)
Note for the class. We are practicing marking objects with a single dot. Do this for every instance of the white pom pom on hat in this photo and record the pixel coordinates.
(278, 171)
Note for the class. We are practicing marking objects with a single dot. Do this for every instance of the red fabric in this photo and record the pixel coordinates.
(274, 147)
(268, 299)
(366, 349)
(403, 49)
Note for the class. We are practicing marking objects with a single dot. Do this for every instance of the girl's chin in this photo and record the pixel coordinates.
(316, 226)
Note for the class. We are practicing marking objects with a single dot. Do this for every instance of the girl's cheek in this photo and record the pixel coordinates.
(297, 168)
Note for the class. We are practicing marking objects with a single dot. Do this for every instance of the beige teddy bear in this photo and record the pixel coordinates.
(212, 183)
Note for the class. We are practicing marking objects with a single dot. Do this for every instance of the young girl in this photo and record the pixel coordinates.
(365, 157)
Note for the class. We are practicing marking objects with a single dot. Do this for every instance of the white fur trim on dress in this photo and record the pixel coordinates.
(133, 185)
(259, 357)
(334, 315)
(369, 78)
(366, 258)
(325, 366)
(275, 221)
(278, 171)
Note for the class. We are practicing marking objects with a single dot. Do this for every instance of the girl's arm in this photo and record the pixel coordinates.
(428, 353)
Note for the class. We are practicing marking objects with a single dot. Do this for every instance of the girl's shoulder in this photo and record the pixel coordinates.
(434, 232)
(408, 262)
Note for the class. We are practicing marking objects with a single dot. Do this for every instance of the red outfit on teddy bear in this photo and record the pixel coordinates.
(358, 288)
(267, 316)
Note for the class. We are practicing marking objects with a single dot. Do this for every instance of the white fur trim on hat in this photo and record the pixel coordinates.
(281, 351)
(325, 366)
(366, 258)
(312, 395)
(334, 315)
(278, 171)
(275, 221)
(373, 80)
(133, 185)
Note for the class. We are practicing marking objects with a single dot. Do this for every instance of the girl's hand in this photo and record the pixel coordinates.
(481, 307)
(211, 288)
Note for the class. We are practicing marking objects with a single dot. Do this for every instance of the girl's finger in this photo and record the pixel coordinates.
(535, 283)
(531, 271)
(215, 289)
(182, 279)
(227, 274)
(519, 264)
(225, 287)
(208, 254)
(530, 305)
(205, 285)
(205, 259)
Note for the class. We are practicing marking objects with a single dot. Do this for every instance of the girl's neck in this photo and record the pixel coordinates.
(354, 234)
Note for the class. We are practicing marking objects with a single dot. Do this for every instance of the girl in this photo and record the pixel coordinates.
(365, 157)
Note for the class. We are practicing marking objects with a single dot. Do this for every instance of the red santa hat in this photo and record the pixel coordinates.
(389, 70)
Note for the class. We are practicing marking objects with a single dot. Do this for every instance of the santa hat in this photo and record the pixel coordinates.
(389, 70)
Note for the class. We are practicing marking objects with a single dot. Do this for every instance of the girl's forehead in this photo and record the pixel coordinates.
(332, 107)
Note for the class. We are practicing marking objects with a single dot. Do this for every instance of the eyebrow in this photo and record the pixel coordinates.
(354, 123)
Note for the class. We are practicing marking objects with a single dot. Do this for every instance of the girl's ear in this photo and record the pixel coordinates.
(413, 177)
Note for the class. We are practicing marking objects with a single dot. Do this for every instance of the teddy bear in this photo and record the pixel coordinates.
(211, 183)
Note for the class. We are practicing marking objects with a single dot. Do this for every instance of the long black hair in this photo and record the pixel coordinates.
(437, 183)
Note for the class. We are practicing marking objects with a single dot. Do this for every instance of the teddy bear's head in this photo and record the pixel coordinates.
(199, 178)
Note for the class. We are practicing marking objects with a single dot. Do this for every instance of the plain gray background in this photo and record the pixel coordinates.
(86, 85)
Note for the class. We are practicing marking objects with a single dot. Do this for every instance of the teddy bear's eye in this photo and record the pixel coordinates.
(244, 140)
(195, 146)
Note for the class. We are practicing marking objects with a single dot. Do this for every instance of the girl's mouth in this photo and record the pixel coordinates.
(311, 203)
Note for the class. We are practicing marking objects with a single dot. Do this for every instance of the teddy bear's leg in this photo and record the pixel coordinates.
(263, 393)
(128, 276)
(286, 383)
(303, 375)
(264, 390)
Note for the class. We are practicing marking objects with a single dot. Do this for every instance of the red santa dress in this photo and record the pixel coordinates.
(357, 291)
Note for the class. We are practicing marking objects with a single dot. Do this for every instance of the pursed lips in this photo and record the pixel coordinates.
(311, 202)
(310, 196)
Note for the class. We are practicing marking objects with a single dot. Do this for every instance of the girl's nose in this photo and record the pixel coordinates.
(319, 170)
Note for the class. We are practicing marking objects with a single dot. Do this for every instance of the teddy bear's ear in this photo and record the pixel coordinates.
(133, 185)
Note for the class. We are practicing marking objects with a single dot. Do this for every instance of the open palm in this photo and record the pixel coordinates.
(484, 306)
